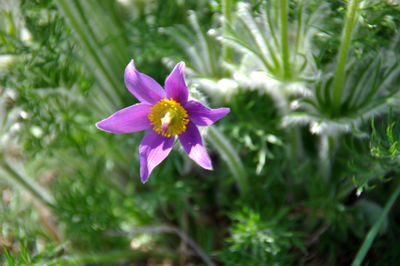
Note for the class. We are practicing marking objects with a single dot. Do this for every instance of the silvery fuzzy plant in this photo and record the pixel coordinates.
(277, 56)
(210, 77)
(337, 99)
(214, 70)
(269, 55)
(349, 92)
(276, 53)
(207, 63)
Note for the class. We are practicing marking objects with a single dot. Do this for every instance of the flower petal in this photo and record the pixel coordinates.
(153, 150)
(193, 145)
(175, 85)
(203, 116)
(143, 87)
(130, 119)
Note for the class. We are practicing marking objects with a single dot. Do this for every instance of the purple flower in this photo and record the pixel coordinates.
(165, 114)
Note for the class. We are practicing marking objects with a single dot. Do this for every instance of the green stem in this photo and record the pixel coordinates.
(285, 39)
(343, 52)
(227, 11)
(295, 143)
(369, 239)
(227, 152)
(204, 44)
(86, 39)
(11, 30)
(325, 157)
(25, 182)
(299, 26)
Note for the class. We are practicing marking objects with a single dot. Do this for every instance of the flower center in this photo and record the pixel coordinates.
(168, 117)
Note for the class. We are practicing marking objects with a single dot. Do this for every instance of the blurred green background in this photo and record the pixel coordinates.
(306, 164)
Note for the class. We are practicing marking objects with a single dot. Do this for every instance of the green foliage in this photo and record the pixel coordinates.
(256, 136)
(375, 160)
(386, 146)
(24, 257)
(259, 241)
(377, 26)
(260, 38)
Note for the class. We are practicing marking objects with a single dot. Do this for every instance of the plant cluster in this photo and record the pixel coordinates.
(305, 165)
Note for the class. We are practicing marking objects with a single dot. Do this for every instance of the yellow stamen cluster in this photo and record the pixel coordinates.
(168, 117)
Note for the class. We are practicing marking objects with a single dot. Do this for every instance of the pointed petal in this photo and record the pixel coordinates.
(203, 116)
(193, 145)
(175, 85)
(153, 150)
(130, 119)
(143, 87)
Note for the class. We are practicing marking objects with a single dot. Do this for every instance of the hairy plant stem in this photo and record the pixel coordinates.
(85, 37)
(296, 147)
(369, 239)
(25, 182)
(230, 156)
(343, 52)
(325, 157)
(284, 40)
(299, 26)
(227, 12)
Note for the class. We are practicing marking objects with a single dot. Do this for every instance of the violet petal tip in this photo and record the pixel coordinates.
(193, 145)
(175, 85)
(144, 179)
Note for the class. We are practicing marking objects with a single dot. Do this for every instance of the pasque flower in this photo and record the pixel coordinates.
(164, 114)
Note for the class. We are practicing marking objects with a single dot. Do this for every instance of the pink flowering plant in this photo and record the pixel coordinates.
(164, 114)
